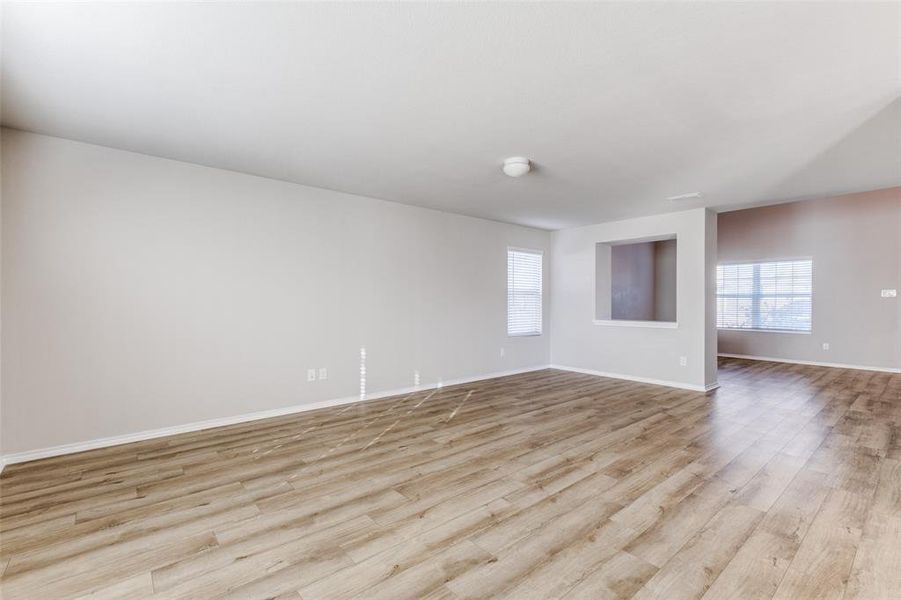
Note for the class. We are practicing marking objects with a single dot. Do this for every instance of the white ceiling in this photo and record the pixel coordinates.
(619, 104)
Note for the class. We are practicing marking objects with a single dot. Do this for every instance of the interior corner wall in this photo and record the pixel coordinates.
(141, 293)
(711, 231)
(2, 463)
(651, 353)
(855, 244)
(664, 280)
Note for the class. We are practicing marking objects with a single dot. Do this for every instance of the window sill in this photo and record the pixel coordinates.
(764, 330)
(623, 323)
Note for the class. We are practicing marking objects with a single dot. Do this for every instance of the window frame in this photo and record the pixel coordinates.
(540, 254)
(756, 299)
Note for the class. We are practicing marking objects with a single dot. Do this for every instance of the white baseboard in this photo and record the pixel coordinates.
(20, 457)
(674, 384)
(29, 455)
(811, 363)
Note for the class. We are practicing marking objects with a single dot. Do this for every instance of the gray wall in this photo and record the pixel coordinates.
(642, 281)
(855, 243)
(632, 281)
(141, 293)
(664, 280)
(649, 352)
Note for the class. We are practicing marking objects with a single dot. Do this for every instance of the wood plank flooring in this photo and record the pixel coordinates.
(785, 483)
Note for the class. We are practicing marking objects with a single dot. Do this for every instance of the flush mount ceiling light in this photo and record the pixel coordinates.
(690, 196)
(517, 166)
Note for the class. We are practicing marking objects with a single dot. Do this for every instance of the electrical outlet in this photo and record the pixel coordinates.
(825, 345)
(416, 378)
(683, 361)
(323, 373)
(502, 352)
(889, 293)
(311, 374)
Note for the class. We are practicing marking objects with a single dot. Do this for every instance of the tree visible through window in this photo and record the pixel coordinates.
(773, 295)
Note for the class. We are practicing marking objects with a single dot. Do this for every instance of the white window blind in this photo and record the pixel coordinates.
(766, 295)
(523, 292)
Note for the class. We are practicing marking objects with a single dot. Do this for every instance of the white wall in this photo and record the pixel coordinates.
(638, 352)
(141, 293)
(2, 463)
(855, 244)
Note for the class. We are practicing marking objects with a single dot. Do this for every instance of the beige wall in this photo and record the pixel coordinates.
(855, 244)
(142, 293)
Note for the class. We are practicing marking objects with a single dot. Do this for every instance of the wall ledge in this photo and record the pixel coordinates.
(624, 323)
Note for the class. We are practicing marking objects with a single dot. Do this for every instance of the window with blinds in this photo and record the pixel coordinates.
(766, 295)
(523, 292)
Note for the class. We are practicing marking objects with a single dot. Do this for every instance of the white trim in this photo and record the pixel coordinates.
(536, 251)
(812, 363)
(624, 323)
(793, 332)
(757, 261)
(29, 455)
(141, 436)
(674, 384)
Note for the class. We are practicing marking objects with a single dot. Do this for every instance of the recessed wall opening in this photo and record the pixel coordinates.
(636, 280)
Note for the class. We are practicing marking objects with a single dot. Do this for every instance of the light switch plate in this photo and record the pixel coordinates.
(889, 293)
(311, 374)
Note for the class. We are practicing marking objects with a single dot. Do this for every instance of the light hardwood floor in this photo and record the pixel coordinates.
(785, 483)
